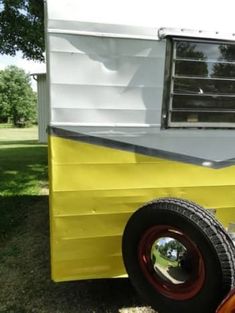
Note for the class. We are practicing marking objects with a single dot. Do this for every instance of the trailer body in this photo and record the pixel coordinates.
(113, 143)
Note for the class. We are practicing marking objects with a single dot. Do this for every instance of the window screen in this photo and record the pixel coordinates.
(202, 84)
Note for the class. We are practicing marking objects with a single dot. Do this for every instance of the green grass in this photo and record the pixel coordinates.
(17, 135)
(5, 125)
(25, 279)
(160, 260)
(23, 162)
(23, 173)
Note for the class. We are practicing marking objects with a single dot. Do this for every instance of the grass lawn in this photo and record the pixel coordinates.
(23, 174)
(160, 260)
(22, 162)
(5, 125)
(26, 286)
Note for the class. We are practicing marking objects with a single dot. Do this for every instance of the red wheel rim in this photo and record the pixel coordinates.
(159, 277)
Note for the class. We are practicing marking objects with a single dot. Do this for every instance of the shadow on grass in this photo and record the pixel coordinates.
(20, 142)
(26, 286)
(25, 268)
(21, 168)
(14, 211)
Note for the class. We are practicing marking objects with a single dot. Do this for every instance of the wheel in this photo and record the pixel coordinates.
(178, 257)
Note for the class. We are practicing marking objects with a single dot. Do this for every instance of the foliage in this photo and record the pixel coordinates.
(17, 99)
(172, 249)
(188, 50)
(226, 67)
(22, 28)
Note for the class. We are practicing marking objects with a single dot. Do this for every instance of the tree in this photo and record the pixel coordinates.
(22, 28)
(172, 249)
(190, 51)
(17, 99)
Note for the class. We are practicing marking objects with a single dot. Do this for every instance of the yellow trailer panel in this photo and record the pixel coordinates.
(95, 189)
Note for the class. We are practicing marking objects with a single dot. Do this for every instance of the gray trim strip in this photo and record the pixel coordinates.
(110, 143)
(101, 30)
(191, 33)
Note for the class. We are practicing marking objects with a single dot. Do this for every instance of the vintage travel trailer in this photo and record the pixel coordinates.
(142, 150)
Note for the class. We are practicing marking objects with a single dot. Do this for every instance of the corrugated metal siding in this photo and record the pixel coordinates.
(104, 81)
(95, 189)
(43, 108)
(147, 13)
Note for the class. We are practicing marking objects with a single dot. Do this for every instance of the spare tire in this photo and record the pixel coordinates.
(178, 256)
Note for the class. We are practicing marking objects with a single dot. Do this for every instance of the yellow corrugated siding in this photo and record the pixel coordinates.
(94, 190)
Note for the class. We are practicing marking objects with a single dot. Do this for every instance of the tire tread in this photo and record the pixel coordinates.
(220, 239)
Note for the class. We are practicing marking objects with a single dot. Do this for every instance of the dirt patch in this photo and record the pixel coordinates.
(25, 281)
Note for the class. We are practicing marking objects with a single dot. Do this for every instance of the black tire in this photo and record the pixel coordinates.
(215, 251)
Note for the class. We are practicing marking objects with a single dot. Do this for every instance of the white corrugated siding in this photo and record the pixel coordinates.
(43, 108)
(105, 81)
(200, 14)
